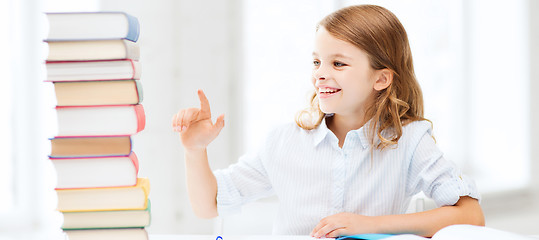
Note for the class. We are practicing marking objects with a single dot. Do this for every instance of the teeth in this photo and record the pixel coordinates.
(327, 90)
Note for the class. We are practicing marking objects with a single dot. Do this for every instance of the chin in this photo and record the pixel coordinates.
(326, 110)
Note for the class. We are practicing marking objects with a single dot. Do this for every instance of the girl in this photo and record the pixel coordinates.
(355, 157)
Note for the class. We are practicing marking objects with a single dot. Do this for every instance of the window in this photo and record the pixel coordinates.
(6, 162)
(21, 143)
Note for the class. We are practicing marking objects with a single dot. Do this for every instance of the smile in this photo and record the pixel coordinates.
(327, 92)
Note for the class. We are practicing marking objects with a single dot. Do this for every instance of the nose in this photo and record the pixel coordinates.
(320, 73)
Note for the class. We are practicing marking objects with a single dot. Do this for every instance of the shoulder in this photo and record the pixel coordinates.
(413, 132)
(417, 127)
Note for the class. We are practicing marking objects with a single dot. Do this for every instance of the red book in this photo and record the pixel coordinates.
(96, 172)
(100, 120)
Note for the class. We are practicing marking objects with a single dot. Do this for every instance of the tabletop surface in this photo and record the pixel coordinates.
(248, 237)
(214, 237)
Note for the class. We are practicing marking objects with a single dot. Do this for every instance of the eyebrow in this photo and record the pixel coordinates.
(336, 55)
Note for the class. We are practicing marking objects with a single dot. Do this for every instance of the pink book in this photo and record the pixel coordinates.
(96, 172)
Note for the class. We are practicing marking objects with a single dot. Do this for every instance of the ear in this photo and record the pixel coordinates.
(384, 78)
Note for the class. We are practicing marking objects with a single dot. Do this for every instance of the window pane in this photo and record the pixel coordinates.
(499, 107)
(474, 78)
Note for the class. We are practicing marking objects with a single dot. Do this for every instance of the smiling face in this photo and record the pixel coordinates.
(343, 78)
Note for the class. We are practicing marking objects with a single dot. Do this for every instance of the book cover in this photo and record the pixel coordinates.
(105, 199)
(100, 120)
(93, 50)
(92, 26)
(94, 172)
(90, 146)
(465, 232)
(87, 93)
(121, 69)
(108, 234)
(107, 219)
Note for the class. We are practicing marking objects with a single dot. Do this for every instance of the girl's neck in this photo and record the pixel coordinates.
(341, 125)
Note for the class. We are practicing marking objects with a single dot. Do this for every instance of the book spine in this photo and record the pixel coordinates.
(134, 159)
(141, 117)
(136, 69)
(144, 183)
(140, 93)
(134, 28)
(132, 50)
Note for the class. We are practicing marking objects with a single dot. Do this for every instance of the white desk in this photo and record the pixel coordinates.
(212, 237)
(246, 237)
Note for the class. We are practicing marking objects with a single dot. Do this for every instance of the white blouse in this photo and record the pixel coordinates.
(314, 178)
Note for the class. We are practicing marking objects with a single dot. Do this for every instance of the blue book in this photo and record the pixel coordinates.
(82, 26)
(373, 236)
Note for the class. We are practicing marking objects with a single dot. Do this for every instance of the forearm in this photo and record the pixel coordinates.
(201, 183)
(466, 211)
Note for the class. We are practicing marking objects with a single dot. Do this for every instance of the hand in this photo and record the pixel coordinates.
(195, 125)
(342, 224)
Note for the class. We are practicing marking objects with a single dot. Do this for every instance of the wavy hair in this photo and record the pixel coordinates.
(379, 33)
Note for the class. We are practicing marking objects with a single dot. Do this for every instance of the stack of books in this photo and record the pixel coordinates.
(93, 64)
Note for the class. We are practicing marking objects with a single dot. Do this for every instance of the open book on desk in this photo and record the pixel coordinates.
(460, 232)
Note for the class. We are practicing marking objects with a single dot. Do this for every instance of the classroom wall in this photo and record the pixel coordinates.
(519, 211)
(187, 45)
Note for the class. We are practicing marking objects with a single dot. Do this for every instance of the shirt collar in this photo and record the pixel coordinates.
(322, 131)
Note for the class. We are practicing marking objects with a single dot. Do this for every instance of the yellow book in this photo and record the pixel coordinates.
(105, 199)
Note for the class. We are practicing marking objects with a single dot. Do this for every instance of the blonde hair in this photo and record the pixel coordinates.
(379, 33)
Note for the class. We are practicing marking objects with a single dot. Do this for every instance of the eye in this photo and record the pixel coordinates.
(338, 64)
(316, 63)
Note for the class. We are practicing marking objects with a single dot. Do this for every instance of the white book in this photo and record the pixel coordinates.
(74, 26)
(93, 70)
(111, 171)
(466, 232)
(100, 120)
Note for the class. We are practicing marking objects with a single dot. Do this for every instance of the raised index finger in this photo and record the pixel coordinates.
(205, 111)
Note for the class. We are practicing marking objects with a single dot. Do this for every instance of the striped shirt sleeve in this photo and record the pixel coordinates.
(437, 177)
(240, 183)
